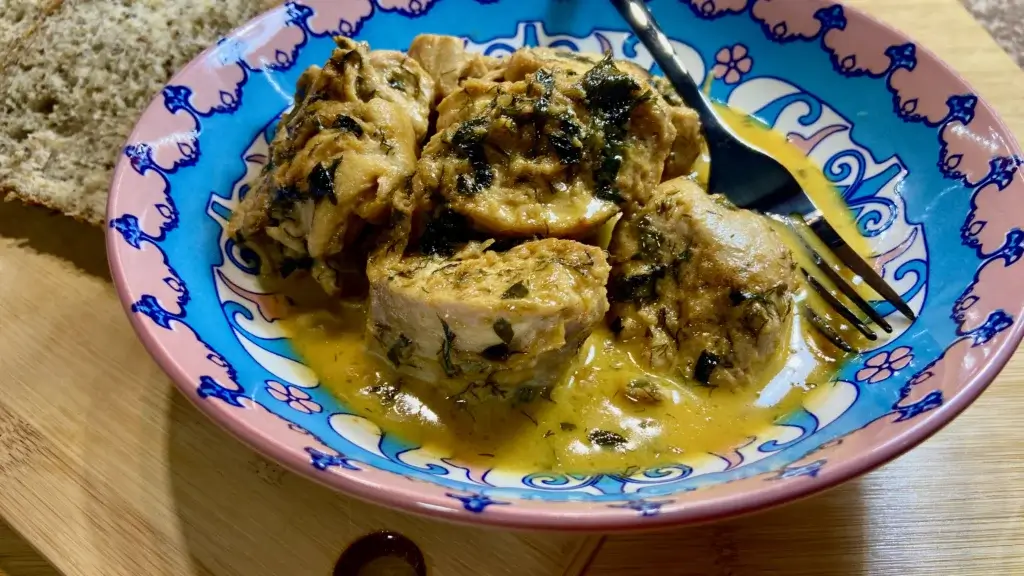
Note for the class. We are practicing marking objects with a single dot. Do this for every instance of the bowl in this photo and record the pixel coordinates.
(926, 167)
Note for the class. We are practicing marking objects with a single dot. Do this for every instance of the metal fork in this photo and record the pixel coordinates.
(752, 179)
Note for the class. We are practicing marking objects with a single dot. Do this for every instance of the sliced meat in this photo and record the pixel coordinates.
(448, 62)
(688, 144)
(689, 141)
(554, 154)
(337, 160)
(707, 288)
(525, 61)
(480, 316)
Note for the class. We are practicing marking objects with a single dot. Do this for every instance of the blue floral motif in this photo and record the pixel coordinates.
(994, 324)
(961, 108)
(930, 402)
(831, 18)
(176, 98)
(810, 470)
(147, 305)
(476, 503)
(210, 388)
(902, 56)
(322, 461)
(644, 507)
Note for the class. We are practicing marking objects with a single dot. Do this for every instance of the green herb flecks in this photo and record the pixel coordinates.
(611, 96)
(638, 288)
(706, 364)
(321, 181)
(400, 351)
(468, 143)
(444, 233)
(348, 124)
(445, 353)
(515, 291)
(606, 439)
(567, 426)
(503, 328)
(650, 239)
(497, 353)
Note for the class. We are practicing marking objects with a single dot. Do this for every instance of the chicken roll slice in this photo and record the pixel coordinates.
(705, 287)
(336, 160)
(448, 62)
(554, 154)
(505, 318)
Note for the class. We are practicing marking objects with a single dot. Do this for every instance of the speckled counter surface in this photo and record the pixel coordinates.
(1004, 19)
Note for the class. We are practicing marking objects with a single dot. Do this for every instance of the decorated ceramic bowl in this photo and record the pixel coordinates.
(929, 172)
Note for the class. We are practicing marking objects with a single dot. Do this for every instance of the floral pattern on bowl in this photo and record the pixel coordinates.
(892, 127)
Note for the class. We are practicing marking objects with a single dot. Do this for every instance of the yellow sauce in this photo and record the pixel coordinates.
(551, 433)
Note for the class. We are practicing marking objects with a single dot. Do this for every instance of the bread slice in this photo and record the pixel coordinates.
(18, 20)
(71, 93)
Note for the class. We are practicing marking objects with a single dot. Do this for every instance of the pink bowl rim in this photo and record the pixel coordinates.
(597, 518)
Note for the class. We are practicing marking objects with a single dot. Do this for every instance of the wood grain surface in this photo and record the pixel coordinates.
(105, 470)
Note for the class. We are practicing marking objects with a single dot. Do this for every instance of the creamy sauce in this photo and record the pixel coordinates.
(555, 431)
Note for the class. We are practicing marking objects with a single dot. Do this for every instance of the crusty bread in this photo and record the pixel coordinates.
(74, 87)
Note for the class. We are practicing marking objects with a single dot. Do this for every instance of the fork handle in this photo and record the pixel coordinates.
(639, 17)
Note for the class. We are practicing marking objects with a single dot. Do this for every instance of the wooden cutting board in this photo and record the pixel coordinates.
(105, 470)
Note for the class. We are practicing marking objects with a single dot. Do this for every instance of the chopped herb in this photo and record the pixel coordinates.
(445, 353)
(610, 91)
(611, 98)
(528, 417)
(737, 297)
(605, 176)
(616, 325)
(515, 291)
(643, 392)
(650, 239)
(497, 353)
(348, 124)
(503, 328)
(290, 265)
(549, 433)
(565, 148)
(286, 194)
(321, 182)
(525, 394)
(399, 351)
(567, 426)
(606, 439)
(468, 140)
(638, 288)
(706, 364)
(443, 233)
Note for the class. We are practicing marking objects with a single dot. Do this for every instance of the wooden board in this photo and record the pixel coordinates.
(104, 469)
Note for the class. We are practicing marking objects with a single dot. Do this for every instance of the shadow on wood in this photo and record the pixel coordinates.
(19, 558)
(242, 514)
(821, 536)
(49, 232)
